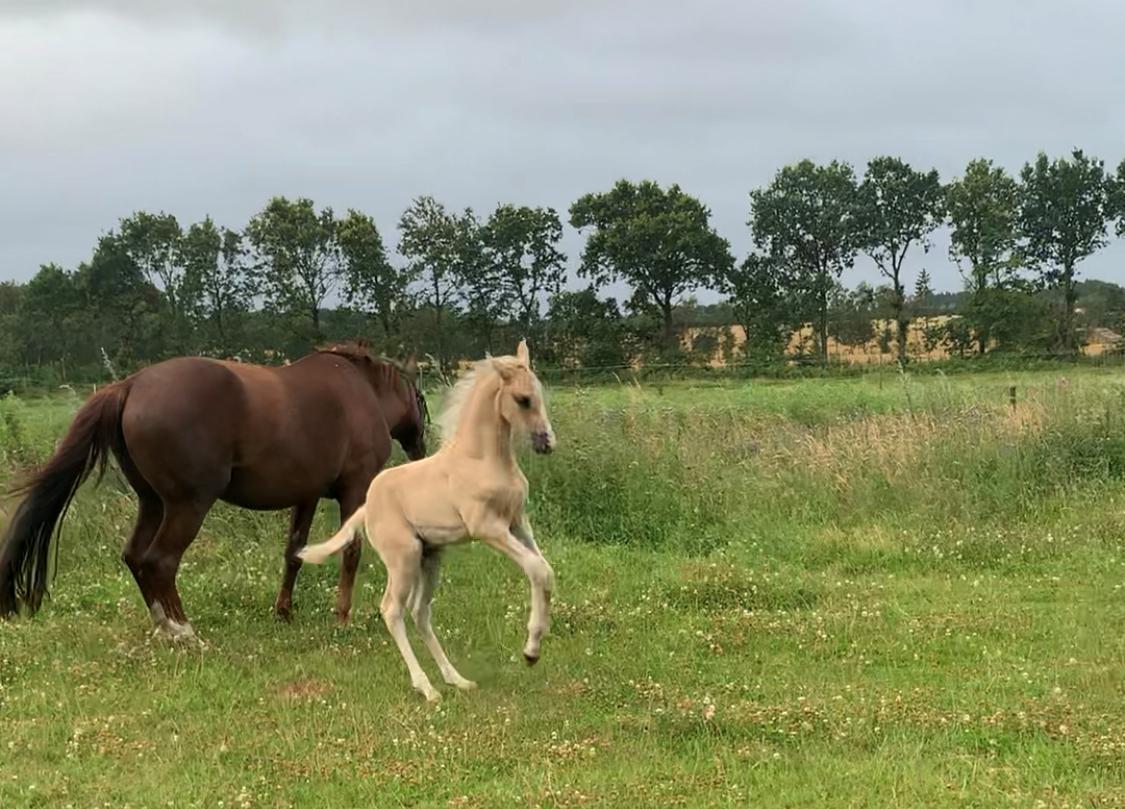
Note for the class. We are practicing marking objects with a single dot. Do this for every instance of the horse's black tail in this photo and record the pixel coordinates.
(25, 553)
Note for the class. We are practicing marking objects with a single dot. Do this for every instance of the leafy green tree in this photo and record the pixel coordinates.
(371, 283)
(216, 281)
(851, 315)
(152, 242)
(1101, 302)
(923, 291)
(983, 208)
(479, 280)
(958, 336)
(432, 240)
(586, 331)
(760, 304)
(521, 247)
(121, 309)
(1062, 219)
(659, 241)
(1116, 198)
(47, 307)
(805, 221)
(1015, 317)
(11, 333)
(298, 257)
(898, 207)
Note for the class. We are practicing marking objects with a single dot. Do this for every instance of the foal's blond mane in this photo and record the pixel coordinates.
(482, 371)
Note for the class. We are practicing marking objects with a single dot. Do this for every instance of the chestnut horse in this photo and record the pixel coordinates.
(190, 431)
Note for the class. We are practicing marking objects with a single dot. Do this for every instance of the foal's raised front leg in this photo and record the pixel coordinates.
(518, 544)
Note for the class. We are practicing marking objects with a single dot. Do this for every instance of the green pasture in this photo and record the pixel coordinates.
(881, 590)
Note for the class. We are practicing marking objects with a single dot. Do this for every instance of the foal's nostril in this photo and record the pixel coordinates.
(541, 442)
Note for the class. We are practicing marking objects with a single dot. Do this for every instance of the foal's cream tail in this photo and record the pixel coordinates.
(319, 553)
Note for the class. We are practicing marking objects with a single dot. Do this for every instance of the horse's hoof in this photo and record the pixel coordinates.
(531, 659)
(177, 634)
(283, 614)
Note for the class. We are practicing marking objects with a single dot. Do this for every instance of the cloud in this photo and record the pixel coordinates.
(211, 107)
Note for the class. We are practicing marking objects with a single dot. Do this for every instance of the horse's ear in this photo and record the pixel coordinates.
(503, 367)
(523, 355)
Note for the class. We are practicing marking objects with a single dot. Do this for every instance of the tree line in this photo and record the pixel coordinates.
(464, 284)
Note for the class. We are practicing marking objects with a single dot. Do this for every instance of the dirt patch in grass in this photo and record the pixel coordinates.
(303, 689)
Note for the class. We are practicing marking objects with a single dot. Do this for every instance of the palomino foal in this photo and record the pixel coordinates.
(471, 487)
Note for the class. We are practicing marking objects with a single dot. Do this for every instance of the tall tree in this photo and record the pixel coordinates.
(983, 207)
(898, 207)
(122, 306)
(12, 335)
(431, 239)
(1117, 198)
(805, 221)
(371, 283)
(216, 279)
(480, 286)
(923, 288)
(659, 241)
(758, 294)
(587, 331)
(299, 262)
(853, 314)
(152, 241)
(521, 245)
(1062, 220)
(47, 306)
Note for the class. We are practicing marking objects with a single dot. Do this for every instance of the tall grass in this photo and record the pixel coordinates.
(693, 470)
(634, 469)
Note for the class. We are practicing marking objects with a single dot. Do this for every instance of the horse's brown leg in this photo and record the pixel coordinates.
(300, 519)
(161, 561)
(349, 559)
(149, 517)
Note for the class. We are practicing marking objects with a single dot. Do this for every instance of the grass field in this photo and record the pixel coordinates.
(878, 591)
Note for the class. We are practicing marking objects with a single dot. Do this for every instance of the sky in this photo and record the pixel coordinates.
(211, 107)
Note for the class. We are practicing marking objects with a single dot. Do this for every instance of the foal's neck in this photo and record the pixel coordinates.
(482, 433)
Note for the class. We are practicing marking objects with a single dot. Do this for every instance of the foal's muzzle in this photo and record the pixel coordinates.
(542, 442)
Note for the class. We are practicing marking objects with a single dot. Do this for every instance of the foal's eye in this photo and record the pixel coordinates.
(523, 401)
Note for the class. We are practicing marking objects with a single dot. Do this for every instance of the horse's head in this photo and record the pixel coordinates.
(407, 414)
(521, 399)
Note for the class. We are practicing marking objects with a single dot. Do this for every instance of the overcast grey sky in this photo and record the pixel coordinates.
(213, 106)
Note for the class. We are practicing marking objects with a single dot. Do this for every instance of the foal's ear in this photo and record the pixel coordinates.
(503, 366)
(410, 366)
(523, 355)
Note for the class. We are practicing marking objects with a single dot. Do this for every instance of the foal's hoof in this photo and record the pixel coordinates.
(531, 659)
(464, 685)
(431, 694)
